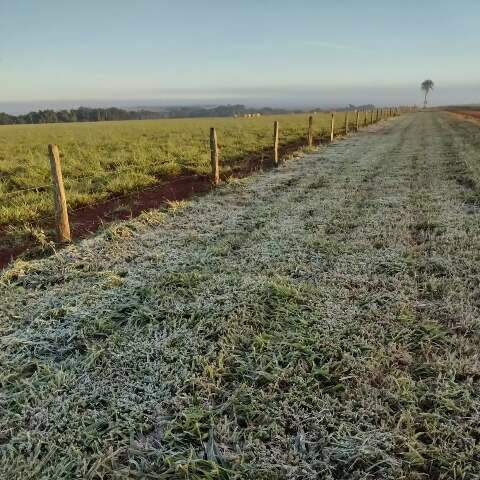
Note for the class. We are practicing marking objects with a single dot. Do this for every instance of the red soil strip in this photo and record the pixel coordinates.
(466, 113)
(475, 114)
(87, 220)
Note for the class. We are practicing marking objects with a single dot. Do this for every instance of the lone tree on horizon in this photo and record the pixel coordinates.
(426, 86)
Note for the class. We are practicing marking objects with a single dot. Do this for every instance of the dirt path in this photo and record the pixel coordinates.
(318, 321)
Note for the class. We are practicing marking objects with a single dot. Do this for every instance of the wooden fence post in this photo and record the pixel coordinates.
(214, 157)
(275, 142)
(365, 119)
(357, 120)
(310, 131)
(332, 127)
(346, 122)
(61, 214)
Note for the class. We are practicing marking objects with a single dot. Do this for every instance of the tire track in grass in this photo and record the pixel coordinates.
(282, 340)
(437, 431)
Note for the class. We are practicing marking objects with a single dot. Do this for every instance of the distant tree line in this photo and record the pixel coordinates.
(84, 114)
(81, 114)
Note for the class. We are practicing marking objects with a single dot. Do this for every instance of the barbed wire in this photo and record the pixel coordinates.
(21, 190)
(67, 179)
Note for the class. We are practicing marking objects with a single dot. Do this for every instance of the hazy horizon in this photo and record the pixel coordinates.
(263, 97)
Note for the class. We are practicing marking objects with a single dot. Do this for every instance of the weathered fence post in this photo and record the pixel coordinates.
(61, 214)
(357, 120)
(365, 119)
(214, 156)
(310, 131)
(275, 143)
(332, 127)
(346, 122)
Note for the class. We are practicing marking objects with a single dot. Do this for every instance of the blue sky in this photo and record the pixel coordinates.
(310, 52)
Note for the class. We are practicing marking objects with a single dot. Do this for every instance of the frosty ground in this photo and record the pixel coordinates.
(316, 321)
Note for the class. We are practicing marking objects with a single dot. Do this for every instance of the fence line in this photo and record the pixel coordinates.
(60, 201)
(21, 190)
(275, 142)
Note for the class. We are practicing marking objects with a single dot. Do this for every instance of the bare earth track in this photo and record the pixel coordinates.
(318, 321)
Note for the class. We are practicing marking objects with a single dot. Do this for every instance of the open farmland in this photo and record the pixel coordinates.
(104, 159)
(317, 321)
(466, 111)
(469, 113)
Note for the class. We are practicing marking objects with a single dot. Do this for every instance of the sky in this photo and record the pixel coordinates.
(64, 53)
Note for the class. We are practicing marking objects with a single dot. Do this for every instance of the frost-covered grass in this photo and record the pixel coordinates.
(318, 321)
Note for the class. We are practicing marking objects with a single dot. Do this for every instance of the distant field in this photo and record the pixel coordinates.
(467, 110)
(107, 158)
(470, 113)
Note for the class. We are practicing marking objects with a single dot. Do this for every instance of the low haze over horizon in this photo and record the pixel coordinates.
(304, 54)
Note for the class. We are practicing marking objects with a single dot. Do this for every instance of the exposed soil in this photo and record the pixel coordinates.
(470, 115)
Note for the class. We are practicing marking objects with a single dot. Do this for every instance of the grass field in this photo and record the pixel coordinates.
(317, 321)
(103, 159)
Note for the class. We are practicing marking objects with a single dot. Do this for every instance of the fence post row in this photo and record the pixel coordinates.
(275, 142)
(332, 127)
(61, 214)
(62, 225)
(214, 156)
(310, 131)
